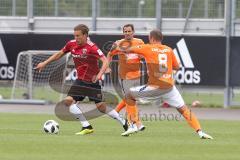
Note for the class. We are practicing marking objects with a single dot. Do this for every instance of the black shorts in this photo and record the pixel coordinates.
(81, 89)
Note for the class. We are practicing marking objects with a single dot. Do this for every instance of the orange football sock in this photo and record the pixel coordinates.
(121, 105)
(191, 118)
(132, 113)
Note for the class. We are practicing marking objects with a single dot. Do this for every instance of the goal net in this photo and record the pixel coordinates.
(29, 84)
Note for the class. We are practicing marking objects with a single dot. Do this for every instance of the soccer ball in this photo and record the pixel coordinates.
(51, 126)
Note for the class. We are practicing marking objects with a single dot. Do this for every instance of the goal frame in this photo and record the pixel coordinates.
(30, 67)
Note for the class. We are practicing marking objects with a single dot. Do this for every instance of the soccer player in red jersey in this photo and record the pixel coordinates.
(85, 56)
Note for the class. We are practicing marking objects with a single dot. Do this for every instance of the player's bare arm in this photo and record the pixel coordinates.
(110, 54)
(109, 59)
(102, 70)
(52, 58)
(135, 49)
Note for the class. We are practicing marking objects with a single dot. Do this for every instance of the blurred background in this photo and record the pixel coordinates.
(203, 33)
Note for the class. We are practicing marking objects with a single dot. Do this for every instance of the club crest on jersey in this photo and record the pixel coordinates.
(84, 51)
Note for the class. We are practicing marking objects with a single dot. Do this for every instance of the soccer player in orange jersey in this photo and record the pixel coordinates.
(129, 72)
(161, 62)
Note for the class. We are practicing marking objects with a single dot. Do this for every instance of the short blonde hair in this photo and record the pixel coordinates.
(156, 34)
(83, 28)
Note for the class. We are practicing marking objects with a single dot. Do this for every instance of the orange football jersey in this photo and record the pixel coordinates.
(129, 64)
(161, 62)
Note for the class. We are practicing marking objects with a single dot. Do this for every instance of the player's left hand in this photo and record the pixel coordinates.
(114, 46)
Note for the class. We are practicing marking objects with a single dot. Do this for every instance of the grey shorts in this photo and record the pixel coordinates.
(126, 84)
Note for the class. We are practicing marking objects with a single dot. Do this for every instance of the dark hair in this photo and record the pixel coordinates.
(128, 25)
(83, 28)
(156, 34)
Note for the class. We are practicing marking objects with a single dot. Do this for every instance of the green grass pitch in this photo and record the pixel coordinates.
(22, 138)
(213, 100)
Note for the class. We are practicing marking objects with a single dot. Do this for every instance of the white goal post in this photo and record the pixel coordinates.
(48, 86)
(31, 86)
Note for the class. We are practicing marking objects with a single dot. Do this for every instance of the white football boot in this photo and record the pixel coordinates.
(203, 135)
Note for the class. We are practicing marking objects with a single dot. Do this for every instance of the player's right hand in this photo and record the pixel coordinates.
(108, 70)
(40, 66)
